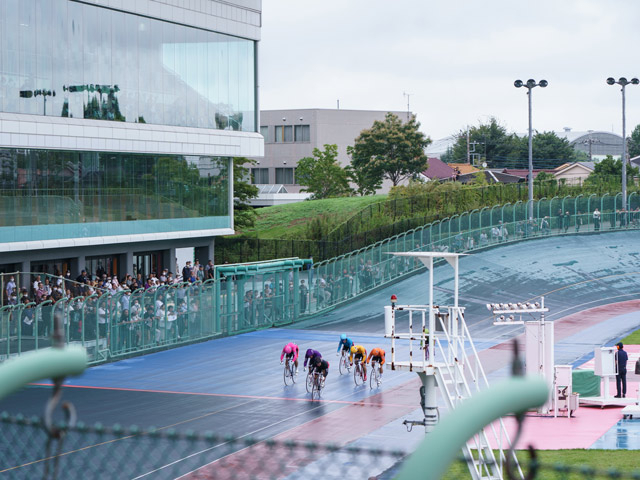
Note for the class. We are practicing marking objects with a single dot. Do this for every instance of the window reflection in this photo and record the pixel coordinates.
(116, 66)
(40, 187)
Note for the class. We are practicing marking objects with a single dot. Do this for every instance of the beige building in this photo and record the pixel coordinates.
(290, 135)
(573, 173)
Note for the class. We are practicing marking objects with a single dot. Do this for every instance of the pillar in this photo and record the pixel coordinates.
(128, 263)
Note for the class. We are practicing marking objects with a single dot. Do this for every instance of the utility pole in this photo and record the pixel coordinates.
(408, 109)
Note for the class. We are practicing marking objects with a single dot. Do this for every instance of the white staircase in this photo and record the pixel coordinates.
(452, 367)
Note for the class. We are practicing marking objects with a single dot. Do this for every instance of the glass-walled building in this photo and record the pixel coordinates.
(118, 124)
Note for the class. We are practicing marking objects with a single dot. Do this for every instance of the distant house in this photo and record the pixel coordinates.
(524, 173)
(463, 168)
(491, 176)
(438, 170)
(574, 173)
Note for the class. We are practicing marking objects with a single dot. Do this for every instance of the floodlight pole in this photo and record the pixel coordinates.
(623, 82)
(529, 85)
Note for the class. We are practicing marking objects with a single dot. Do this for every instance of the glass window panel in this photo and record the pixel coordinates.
(56, 104)
(180, 92)
(168, 72)
(264, 131)
(260, 176)
(27, 56)
(284, 176)
(75, 79)
(288, 133)
(191, 77)
(9, 50)
(302, 133)
(117, 66)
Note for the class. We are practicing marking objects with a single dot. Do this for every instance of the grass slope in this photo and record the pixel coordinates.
(289, 221)
(600, 460)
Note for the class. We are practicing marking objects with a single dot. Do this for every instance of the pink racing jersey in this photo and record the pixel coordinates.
(294, 350)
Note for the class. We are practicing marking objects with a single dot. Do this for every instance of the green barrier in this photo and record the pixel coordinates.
(586, 383)
(32, 366)
(441, 446)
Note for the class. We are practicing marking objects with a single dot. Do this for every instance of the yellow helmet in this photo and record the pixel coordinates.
(354, 349)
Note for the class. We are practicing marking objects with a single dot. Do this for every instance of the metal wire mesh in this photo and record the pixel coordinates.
(27, 452)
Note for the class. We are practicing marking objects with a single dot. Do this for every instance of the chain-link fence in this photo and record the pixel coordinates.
(27, 451)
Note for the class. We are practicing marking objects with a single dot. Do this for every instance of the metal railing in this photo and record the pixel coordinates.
(112, 326)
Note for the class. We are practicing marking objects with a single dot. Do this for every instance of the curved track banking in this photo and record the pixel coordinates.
(234, 385)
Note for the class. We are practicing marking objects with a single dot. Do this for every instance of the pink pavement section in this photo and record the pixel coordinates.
(545, 433)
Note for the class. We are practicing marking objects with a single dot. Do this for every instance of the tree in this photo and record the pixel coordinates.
(610, 170)
(548, 146)
(545, 178)
(322, 175)
(390, 149)
(634, 142)
(366, 180)
(489, 140)
(243, 213)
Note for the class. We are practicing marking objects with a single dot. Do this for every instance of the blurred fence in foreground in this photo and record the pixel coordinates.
(133, 453)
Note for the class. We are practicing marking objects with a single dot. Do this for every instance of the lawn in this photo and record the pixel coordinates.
(632, 339)
(600, 460)
(289, 221)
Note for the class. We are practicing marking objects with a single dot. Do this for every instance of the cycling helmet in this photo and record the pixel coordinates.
(343, 336)
(309, 352)
(287, 349)
(354, 349)
(318, 360)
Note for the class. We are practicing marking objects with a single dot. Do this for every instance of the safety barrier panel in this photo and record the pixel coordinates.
(244, 298)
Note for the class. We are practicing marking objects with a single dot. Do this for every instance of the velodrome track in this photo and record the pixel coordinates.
(234, 385)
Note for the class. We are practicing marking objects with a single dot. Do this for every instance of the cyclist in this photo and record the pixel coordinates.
(290, 350)
(310, 357)
(360, 353)
(377, 354)
(345, 343)
(322, 367)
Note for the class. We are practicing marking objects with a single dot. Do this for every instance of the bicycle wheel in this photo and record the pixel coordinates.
(309, 382)
(373, 375)
(343, 365)
(315, 391)
(358, 376)
(288, 374)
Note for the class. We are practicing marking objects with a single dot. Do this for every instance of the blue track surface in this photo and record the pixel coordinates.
(234, 385)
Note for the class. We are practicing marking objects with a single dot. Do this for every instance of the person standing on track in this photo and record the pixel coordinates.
(621, 376)
(377, 354)
(345, 343)
(290, 350)
(360, 353)
(310, 357)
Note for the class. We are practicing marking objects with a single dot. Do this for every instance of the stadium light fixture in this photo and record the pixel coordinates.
(529, 85)
(623, 82)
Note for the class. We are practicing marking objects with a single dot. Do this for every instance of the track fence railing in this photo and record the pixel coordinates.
(113, 325)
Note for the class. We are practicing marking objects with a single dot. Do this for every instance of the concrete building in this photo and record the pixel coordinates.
(293, 134)
(118, 123)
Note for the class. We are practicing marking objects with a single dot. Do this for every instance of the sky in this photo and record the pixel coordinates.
(456, 59)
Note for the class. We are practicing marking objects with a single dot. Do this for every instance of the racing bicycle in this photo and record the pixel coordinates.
(358, 372)
(344, 366)
(289, 373)
(310, 379)
(374, 374)
(318, 385)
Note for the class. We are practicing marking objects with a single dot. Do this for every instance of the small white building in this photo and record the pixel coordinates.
(574, 173)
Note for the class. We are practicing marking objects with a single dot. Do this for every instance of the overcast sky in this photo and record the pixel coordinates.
(458, 60)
